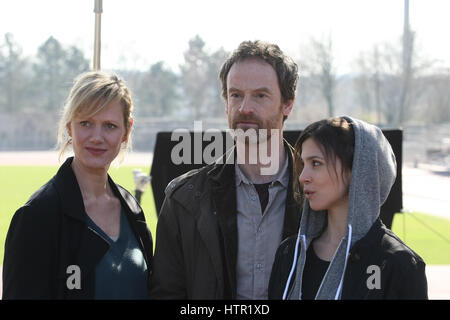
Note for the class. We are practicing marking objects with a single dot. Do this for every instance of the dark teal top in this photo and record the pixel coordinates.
(122, 272)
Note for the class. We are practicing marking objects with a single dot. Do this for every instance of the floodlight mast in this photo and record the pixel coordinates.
(98, 9)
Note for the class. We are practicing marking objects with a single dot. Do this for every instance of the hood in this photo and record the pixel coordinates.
(373, 174)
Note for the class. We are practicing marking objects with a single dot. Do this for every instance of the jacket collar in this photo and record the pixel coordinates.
(224, 199)
(194, 196)
(72, 200)
(372, 238)
(222, 172)
(69, 191)
(91, 245)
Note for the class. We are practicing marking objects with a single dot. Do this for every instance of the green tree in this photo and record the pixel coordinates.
(216, 105)
(54, 72)
(192, 77)
(199, 79)
(157, 92)
(14, 76)
(76, 62)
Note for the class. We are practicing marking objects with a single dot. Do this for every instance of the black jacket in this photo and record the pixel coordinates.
(401, 270)
(196, 237)
(50, 233)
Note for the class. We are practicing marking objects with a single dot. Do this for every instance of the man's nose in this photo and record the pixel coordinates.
(246, 105)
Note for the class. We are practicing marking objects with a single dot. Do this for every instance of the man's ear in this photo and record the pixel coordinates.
(226, 107)
(287, 107)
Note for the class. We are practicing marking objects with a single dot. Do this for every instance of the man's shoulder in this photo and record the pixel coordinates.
(193, 177)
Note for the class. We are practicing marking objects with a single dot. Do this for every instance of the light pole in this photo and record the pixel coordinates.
(408, 39)
(98, 9)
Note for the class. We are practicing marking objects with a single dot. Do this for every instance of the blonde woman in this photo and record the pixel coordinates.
(82, 236)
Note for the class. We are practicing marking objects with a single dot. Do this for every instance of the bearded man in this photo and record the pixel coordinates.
(220, 226)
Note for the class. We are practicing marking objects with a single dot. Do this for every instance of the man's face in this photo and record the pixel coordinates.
(254, 97)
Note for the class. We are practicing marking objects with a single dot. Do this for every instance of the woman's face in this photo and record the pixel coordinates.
(322, 181)
(97, 140)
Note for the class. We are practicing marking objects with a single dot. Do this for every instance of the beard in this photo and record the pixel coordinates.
(259, 130)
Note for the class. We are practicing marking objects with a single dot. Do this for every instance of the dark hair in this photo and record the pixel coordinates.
(285, 67)
(335, 137)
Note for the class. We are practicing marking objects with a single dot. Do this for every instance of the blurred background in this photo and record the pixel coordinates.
(385, 61)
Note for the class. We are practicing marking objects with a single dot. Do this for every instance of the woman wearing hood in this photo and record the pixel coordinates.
(345, 170)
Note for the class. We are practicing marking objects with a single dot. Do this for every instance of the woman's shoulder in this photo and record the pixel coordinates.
(42, 202)
(398, 251)
(39, 212)
(46, 193)
(382, 243)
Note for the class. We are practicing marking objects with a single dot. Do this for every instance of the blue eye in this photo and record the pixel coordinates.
(316, 163)
(111, 126)
(85, 123)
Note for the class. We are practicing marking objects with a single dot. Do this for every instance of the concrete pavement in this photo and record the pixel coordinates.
(426, 189)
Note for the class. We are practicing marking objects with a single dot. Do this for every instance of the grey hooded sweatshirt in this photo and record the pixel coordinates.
(373, 174)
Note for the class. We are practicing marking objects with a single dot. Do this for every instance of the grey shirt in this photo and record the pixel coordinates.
(259, 235)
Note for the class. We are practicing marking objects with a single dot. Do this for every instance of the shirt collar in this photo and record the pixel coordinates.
(282, 177)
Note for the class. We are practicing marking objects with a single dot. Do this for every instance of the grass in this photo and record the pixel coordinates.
(427, 235)
(19, 182)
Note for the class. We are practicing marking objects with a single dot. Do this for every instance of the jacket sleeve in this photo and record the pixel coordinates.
(168, 275)
(29, 271)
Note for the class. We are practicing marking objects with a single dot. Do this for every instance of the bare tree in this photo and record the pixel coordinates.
(368, 82)
(321, 70)
(392, 87)
(437, 99)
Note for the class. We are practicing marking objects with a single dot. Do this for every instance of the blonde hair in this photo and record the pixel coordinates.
(91, 92)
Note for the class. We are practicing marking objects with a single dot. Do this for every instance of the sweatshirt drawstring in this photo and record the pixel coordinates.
(349, 243)
(294, 264)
